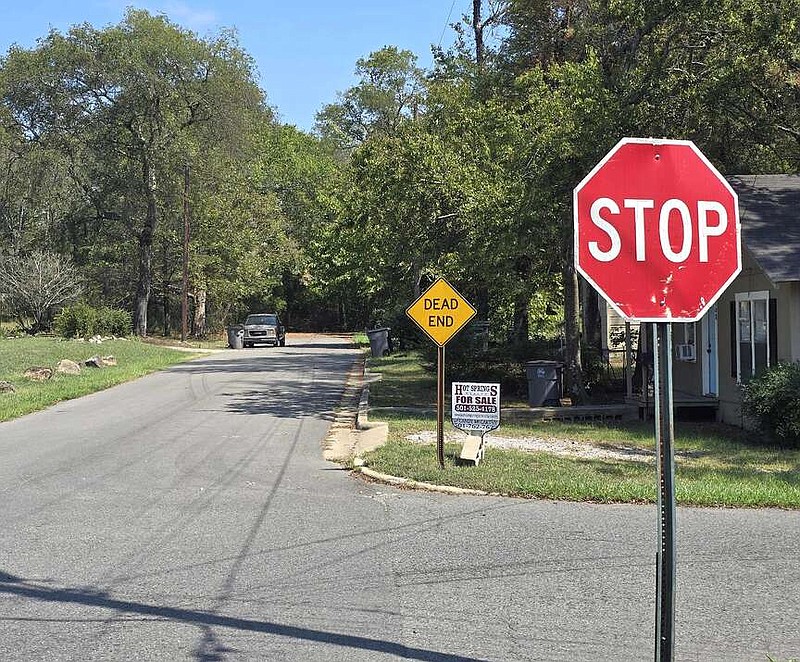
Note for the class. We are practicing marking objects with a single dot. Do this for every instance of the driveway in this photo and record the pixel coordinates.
(189, 515)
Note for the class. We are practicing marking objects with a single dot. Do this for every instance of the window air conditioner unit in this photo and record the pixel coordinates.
(685, 352)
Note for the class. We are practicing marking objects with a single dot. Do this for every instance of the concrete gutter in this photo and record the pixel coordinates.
(352, 434)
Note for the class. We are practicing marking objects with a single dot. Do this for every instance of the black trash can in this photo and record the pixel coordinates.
(236, 336)
(544, 383)
(379, 341)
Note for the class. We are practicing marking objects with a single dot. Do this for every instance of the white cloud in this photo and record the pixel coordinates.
(196, 19)
(188, 16)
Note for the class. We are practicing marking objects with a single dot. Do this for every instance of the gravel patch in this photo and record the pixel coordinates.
(568, 447)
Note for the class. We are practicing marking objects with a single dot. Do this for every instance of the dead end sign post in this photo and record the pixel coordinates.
(656, 232)
(441, 312)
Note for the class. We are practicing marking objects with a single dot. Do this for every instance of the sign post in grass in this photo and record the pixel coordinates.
(441, 312)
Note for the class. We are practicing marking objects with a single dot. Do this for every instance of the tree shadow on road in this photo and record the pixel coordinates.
(17, 586)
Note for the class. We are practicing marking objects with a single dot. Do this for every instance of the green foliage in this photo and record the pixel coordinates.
(9, 331)
(115, 322)
(83, 321)
(772, 400)
(464, 171)
(109, 117)
(388, 92)
(77, 321)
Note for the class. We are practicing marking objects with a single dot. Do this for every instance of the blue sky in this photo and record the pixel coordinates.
(305, 50)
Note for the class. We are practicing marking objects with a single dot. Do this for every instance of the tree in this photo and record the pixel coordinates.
(240, 247)
(305, 175)
(34, 201)
(35, 286)
(480, 24)
(723, 74)
(388, 93)
(121, 104)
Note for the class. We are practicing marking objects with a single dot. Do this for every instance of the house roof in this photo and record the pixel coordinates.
(769, 211)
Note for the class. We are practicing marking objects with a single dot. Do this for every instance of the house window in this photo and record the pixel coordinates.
(685, 339)
(752, 334)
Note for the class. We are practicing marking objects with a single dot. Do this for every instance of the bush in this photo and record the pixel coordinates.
(772, 400)
(115, 322)
(9, 332)
(76, 321)
(83, 321)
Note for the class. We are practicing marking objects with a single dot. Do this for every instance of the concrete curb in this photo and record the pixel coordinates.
(351, 433)
(362, 424)
(362, 428)
(417, 485)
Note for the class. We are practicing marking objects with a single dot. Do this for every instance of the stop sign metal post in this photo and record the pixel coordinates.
(657, 234)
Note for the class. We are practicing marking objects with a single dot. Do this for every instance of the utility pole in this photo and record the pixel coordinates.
(185, 289)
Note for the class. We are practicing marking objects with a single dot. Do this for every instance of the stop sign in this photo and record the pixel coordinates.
(657, 230)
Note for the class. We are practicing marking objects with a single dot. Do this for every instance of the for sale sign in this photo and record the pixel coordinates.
(475, 406)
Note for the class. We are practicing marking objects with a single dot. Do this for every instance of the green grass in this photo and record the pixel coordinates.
(134, 358)
(406, 382)
(716, 464)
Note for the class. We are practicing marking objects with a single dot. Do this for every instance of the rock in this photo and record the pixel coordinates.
(94, 362)
(38, 373)
(96, 339)
(6, 387)
(100, 361)
(67, 367)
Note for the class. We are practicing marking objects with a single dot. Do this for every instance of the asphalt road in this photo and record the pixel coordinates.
(190, 516)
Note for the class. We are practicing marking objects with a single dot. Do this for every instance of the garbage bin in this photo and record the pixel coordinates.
(236, 336)
(480, 334)
(544, 383)
(379, 341)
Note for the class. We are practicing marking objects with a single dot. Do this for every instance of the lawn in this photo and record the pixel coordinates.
(406, 382)
(134, 359)
(716, 465)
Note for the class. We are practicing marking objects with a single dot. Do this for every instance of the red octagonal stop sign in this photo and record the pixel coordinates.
(657, 230)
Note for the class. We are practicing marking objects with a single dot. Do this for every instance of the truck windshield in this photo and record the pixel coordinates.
(261, 319)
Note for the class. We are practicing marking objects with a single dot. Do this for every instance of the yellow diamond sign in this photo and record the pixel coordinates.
(441, 312)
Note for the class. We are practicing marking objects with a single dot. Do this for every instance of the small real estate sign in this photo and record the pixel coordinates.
(475, 409)
(475, 406)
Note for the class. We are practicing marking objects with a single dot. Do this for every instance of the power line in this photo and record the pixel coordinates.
(446, 23)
